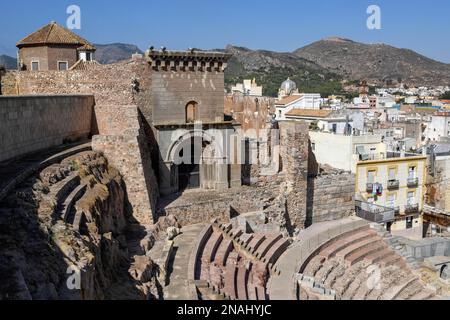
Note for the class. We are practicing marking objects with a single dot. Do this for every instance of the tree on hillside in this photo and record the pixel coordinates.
(446, 96)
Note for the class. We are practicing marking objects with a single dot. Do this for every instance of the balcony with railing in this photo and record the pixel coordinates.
(413, 182)
(412, 209)
(374, 213)
(393, 184)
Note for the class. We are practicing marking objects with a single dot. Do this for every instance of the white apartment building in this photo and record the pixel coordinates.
(438, 128)
(396, 187)
(345, 151)
(309, 101)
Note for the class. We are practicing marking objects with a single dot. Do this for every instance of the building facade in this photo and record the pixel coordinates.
(345, 151)
(438, 128)
(197, 147)
(397, 184)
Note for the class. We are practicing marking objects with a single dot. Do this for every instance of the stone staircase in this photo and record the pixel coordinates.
(397, 247)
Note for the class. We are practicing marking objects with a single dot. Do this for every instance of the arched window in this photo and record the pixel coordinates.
(191, 112)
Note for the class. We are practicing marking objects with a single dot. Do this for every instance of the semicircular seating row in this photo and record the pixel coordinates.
(236, 266)
(348, 264)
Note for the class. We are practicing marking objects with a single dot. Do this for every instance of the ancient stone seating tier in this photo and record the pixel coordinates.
(346, 264)
(233, 265)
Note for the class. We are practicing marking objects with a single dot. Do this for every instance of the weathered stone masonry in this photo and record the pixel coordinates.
(33, 123)
(122, 129)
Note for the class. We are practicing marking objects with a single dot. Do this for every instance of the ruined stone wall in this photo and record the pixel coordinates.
(123, 134)
(438, 184)
(30, 124)
(123, 142)
(110, 84)
(294, 152)
(331, 197)
(251, 112)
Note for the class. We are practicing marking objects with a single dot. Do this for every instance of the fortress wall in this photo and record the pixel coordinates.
(110, 84)
(120, 131)
(122, 140)
(32, 123)
(331, 197)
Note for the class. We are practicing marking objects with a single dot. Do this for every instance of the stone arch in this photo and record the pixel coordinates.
(202, 168)
(188, 135)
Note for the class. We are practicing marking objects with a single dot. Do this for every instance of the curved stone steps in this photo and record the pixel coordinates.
(358, 281)
(276, 251)
(337, 272)
(353, 249)
(362, 253)
(346, 241)
(344, 282)
(327, 268)
(255, 243)
(376, 257)
(210, 249)
(392, 260)
(69, 214)
(425, 294)
(230, 281)
(314, 266)
(411, 290)
(264, 248)
(226, 246)
(241, 283)
(397, 288)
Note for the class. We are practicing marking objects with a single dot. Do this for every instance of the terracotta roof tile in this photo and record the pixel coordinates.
(85, 65)
(288, 100)
(54, 34)
(309, 113)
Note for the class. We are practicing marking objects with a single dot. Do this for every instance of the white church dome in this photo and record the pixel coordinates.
(288, 86)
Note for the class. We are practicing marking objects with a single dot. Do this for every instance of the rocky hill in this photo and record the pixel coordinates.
(110, 53)
(8, 62)
(378, 63)
(270, 69)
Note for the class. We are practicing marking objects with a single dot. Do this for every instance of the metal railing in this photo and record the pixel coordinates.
(393, 184)
(373, 212)
(413, 182)
(411, 208)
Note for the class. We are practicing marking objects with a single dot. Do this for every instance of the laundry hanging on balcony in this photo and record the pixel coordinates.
(377, 189)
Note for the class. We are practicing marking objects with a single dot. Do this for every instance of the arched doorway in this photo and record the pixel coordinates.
(189, 154)
(195, 160)
(191, 112)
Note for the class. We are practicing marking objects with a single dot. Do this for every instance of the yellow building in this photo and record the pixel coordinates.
(395, 186)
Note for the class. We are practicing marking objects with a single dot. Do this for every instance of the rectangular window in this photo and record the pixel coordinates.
(392, 174)
(88, 56)
(412, 173)
(63, 65)
(411, 200)
(34, 65)
(371, 176)
(391, 201)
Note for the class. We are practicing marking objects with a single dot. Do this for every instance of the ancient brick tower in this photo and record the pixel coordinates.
(187, 115)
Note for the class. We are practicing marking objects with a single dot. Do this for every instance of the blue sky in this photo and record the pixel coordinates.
(281, 25)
